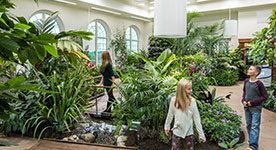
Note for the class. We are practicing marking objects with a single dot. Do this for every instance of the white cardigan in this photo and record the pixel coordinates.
(183, 121)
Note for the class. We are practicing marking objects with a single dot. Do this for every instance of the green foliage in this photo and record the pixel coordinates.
(5, 5)
(205, 39)
(236, 60)
(118, 44)
(61, 109)
(33, 43)
(219, 121)
(146, 97)
(261, 49)
(158, 45)
(6, 94)
(7, 68)
(225, 77)
(231, 145)
(271, 100)
(161, 66)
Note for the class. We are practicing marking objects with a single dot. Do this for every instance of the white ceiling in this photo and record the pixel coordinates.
(145, 8)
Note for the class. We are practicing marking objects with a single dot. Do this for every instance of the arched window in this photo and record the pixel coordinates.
(43, 14)
(132, 39)
(99, 40)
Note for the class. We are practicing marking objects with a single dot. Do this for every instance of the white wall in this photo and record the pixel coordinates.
(252, 20)
(77, 18)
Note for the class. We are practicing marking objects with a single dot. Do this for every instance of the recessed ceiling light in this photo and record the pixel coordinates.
(152, 2)
(134, 17)
(151, 8)
(105, 10)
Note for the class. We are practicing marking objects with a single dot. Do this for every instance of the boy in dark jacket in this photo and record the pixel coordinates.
(254, 94)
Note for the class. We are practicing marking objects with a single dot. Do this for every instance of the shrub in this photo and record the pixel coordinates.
(219, 121)
(225, 77)
(270, 103)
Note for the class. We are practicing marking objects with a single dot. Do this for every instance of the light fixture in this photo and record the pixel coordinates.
(230, 27)
(152, 2)
(105, 10)
(134, 17)
(66, 2)
(151, 8)
(170, 18)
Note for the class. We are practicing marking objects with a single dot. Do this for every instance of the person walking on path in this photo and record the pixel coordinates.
(183, 109)
(107, 78)
(254, 94)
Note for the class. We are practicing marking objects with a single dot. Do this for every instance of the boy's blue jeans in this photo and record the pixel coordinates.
(253, 121)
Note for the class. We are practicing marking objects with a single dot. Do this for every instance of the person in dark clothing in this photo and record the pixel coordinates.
(107, 78)
(254, 94)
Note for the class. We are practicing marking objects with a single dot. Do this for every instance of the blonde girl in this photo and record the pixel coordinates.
(183, 109)
(107, 78)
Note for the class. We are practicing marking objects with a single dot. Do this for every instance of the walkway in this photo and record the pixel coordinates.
(267, 139)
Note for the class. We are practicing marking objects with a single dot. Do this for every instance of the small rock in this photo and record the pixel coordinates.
(71, 138)
(75, 136)
(121, 140)
(88, 137)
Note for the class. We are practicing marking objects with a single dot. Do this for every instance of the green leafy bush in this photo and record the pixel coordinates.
(219, 121)
(271, 100)
(60, 110)
(225, 77)
(146, 98)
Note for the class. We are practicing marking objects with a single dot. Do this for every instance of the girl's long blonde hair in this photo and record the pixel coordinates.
(106, 59)
(182, 100)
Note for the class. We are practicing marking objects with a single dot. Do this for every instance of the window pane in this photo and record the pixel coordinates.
(44, 16)
(99, 57)
(101, 30)
(36, 17)
(128, 45)
(133, 34)
(92, 27)
(128, 33)
(101, 44)
(134, 46)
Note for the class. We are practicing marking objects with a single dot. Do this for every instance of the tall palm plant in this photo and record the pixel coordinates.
(67, 48)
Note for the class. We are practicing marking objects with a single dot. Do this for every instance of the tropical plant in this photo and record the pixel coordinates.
(270, 103)
(7, 69)
(161, 66)
(146, 97)
(118, 44)
(231, 145)
(206, 39)
(66, 48)
(158, 45)
(60, 110)
(261, 48)
(21, 41)
(224, 77)
(6, 94)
